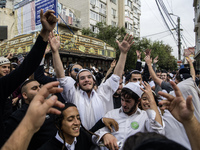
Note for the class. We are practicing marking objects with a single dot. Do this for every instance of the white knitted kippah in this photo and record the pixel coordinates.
(4, 60)
(135, 87)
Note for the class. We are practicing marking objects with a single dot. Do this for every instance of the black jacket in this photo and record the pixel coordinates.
(12, 81)
(84, 142)
(46, 132)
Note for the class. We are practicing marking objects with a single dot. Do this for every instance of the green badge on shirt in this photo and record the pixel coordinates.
(134, 125)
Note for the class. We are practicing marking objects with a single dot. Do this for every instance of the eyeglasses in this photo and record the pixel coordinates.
(76, 70)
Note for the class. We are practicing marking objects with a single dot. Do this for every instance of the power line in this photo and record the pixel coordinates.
(156, 33)
(154, 14)
(163, 37)
(165, 20)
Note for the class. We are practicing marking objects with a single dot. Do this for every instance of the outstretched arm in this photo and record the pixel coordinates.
(157, 80)
(124, 47)
(152, 102)
(192, 71)
(112, 66)
(57, 63)
(34, 117)
(183, 111)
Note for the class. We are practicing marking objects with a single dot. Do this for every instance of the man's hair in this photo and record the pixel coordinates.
(158, 71)
(127, 93)
(23, 89)
(164, 71)
(150, 141)
(183, 74)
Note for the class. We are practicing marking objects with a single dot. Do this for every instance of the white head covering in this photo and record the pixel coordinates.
(135, 87)
(4, 60)
(85, 70)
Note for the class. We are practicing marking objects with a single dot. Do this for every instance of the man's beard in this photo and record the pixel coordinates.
(132, 110)
(87, 91)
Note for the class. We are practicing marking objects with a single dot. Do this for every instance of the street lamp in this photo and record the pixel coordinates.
(179, 35)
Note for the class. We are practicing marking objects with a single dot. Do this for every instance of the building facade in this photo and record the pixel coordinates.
(196, 5)
(75, 48)
(121, 13)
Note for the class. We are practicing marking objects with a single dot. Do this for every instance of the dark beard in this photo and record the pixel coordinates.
(132, 110)
(87, 91)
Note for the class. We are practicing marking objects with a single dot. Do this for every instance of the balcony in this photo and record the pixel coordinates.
(102, 11)
(74, 22)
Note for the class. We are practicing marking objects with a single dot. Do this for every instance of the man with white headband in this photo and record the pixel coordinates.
(91, 104)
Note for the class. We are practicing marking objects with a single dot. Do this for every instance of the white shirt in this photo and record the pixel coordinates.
(140, 121)
(174, 130)
(69, 147)
(91, 108)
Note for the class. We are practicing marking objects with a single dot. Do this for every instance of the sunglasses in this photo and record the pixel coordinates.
(76, 70)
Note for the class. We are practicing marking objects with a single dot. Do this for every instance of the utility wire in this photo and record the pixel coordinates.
(167, 13)
(165, 20)
(156, 33)
(154, 13)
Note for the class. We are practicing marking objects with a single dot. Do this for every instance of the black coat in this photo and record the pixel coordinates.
(84, 142)
(46, 132)
(12, 81)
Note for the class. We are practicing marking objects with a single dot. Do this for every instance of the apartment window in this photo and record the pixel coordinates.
(94, 2)
(130, 27)
(94, 29)
(131, 15)
(128, 3)
(102, 7)
(126, 13)
(71, 14)
(113, 1)
(102, 18)
(94, 15)
(113, 12)
(114, 24)
(126, 25)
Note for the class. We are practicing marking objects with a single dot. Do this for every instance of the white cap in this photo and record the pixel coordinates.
(4, 60)
(135, 87)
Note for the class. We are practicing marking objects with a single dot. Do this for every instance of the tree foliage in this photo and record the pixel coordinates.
(109, 34)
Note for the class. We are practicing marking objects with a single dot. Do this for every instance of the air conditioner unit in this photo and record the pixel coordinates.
(93, 6)
(114, 16)
(131, 8)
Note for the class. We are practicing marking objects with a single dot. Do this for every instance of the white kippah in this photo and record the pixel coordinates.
(135, 87)
(4, 60)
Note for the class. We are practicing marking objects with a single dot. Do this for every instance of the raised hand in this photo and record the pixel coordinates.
(54, 42)
(138, 54)
(48, 20)
(155, 60)
(180, 108)
(147, 52)
(126, 44)
(10, 56)
(189, 60)
(40, 106)
(149, 93)
(112, 65)
(147, 59)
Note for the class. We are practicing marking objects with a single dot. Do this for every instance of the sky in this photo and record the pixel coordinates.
(151, 22)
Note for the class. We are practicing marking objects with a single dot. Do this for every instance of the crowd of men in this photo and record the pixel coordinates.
(83, 109)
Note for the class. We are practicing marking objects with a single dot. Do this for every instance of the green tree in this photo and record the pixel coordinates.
(109, 34)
